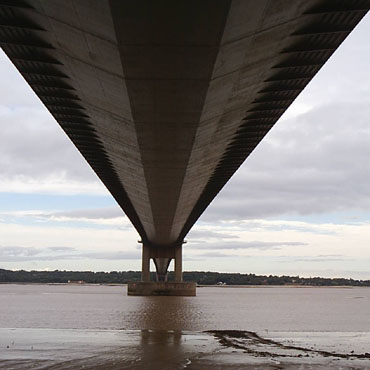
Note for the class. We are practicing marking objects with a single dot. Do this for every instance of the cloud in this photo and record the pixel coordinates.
(14, 91)
(124, 255)
(260, 245)
(23, 254)
(316, 163)
(33, 147)
(18, 252)
(35, 154)
(92, 214)
(109, 216)
(322, 258)
(209, 234)
(217, 255)
(286, 225)
(103, 216)
(61, 249)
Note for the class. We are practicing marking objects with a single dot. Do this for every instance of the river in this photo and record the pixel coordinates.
(100, 327)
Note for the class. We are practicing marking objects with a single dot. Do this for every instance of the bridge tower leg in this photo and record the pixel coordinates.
(145, 263)
(178, 264)
(162, 257)
(161, 264)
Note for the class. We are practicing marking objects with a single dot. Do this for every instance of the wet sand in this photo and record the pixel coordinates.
(100, 327)
(155, 349)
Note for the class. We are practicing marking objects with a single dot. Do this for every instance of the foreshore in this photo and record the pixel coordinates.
(198, 285)
(23, 349)
(78, 326)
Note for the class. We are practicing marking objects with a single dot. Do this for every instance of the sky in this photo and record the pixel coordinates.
(299, 205)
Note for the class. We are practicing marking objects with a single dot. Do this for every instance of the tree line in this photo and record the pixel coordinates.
(200, 277)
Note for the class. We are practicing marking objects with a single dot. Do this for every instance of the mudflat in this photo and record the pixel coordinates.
(147, 349)
(100, 327)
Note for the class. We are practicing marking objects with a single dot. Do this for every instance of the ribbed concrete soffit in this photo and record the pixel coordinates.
(67, 52)
(270, 51)
(165, 99)
(168, 51)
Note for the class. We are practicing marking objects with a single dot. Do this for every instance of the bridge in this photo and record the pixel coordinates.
(167, 98)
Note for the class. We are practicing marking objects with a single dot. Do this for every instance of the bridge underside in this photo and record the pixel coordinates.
(166, 99)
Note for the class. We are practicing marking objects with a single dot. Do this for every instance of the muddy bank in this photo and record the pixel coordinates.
(268, 353)
(160, 349)
(251, 343)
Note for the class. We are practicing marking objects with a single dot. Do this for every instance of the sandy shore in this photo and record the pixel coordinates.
(146, 349)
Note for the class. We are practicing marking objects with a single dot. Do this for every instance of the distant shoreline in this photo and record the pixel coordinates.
(202, 278)
(198, 286)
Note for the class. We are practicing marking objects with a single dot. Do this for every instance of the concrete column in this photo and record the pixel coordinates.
(161, 265)
(145, 263)
(178, 264)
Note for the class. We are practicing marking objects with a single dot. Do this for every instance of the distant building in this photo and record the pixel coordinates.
(76, 282)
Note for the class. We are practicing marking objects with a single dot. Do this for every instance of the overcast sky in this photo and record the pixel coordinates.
(299, 205)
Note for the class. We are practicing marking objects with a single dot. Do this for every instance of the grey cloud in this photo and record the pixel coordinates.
(217, 255)
(208, 234)
(61, 249)
(323, 259)
(32, 145)
(261, 245)
(18, 252)
(23, 254)
(92, 214)
(302, 228)
(105, 213)
(124, 255)
(316, 163)
(255, 225)
(14, 91)
(318, 258)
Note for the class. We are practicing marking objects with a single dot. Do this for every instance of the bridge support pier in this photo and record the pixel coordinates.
(162, 257)
(145, 264)
(178, 264)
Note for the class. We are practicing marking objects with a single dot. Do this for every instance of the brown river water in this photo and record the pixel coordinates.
(100, 327)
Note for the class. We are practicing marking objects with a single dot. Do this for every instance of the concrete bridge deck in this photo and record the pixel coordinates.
(166, 99)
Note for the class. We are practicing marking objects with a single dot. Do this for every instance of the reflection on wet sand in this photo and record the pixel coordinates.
(171, 313)
(109, 349)
(23, 349)
(221, 328)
